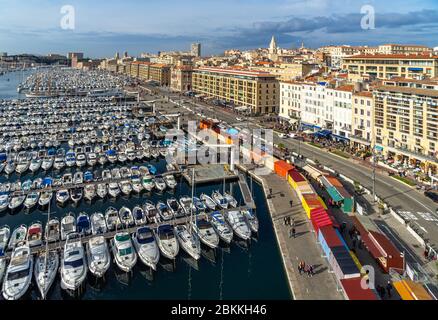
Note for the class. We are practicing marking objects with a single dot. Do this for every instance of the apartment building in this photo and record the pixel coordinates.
(257, 90)
(290, 100)
(288, 71)
(402, 49)
(406, 122)
(386, 66)
(316, 106)
(362, 123)
(340, 100)
(181, 78)
(149, 71)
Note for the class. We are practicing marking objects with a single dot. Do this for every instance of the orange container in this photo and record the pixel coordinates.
(282, 168)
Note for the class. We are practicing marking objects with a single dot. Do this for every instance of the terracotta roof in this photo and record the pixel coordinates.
(393, 56)
(347, 88)
(408, 90)
(367, 94)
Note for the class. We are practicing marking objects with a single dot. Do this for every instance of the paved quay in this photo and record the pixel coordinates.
(322, 286)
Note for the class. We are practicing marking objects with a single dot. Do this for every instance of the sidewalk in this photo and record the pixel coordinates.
(322, 286)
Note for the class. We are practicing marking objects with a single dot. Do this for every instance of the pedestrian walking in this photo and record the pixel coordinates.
(354, 242)
(291, 203)
(388, 289)
(300, 267)
(311, 271)
(293, 222)
(292, 232)
(359, 241)
(285, 221)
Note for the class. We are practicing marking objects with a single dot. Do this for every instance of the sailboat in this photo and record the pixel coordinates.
(46, 267)
(188, 240)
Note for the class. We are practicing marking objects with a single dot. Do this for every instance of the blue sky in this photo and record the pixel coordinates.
(104, 27)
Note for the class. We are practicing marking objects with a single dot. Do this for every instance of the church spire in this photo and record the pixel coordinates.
(273, 45)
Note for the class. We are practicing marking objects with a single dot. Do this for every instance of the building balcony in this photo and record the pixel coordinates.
(413, 154)
(360, 139)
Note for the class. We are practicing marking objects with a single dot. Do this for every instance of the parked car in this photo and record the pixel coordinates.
(432, 195)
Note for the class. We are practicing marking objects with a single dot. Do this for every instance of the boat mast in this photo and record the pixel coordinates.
(191, 204)
(47, 251)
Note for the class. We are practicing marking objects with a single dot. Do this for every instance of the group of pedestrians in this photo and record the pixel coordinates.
(382, 291)
(288, 221)
(306, 269)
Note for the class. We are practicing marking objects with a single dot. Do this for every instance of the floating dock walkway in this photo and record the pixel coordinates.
(59, 245)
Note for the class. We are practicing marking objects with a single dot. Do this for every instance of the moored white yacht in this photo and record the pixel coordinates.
(98, 255)
(123, 251)
(188, 241)
(73, 263)
(146, 246)
(167, 242)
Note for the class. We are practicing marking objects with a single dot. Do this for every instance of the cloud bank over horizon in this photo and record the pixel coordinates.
(102, 28)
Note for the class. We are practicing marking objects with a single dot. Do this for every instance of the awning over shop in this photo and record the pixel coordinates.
(378, 148)
(369, 244)
(334, 194)
(313, 172)
(241, 108)
(340, 138)
(409, 290)
(323, 134)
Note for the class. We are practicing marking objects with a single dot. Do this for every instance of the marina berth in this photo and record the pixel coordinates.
(18, 274)
(167, 241)
(123, 251)
(239, 225)
(45, 270)
(146, 247)
(98, 256)
(73, 263)
(205, 231)
(188, 241)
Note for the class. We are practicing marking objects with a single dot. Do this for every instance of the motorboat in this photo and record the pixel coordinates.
(112, 219)
(113, 189)
(221, 227)
(31, 199)
(73, 263)
(220, 200)
(90, 192)
(230, 199)
(102, 159)
(199, 205)
(152, 169)
(35, 234)
(98, 224)
(139, 216)
(123, 251)
(5, 233)
(83, 224)
(35, 165)
(46, 268)
(45, 198)
(237, 222)
(81, 160)
(98, 256)
(4, 201)
(170, 181)
(187, 205)
(22, 166)
(52, 230)
(251, 219)
(209, 202)
(167, 242)
(68, 225)
(146, 246)
(59, 163)
(76, 194)
(106, 175)
(188, 241)
(147, 182)
(151, 211)
(70, 158)
(62, 196)
(160, 184)
(18, 235)
(16, 200)
(102, 190)
(91, 159)
(10, 167)
(67, 179)
(205, 231)
(18, 274)
(125, 187)
(136, 184)
(126, 217)
(47, 163)
(78, 177)
(177, 209)
(164, 211)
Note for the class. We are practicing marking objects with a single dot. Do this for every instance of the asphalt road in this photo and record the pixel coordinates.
(399, 196)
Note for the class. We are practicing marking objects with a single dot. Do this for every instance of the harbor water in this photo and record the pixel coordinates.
(233, 272)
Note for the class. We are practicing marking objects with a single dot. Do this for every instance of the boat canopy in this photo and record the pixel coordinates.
(122, 237)
(88, 176)
(111, 152)
(3, 157)
(47, 181)
(165, 228)
(51, 152)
